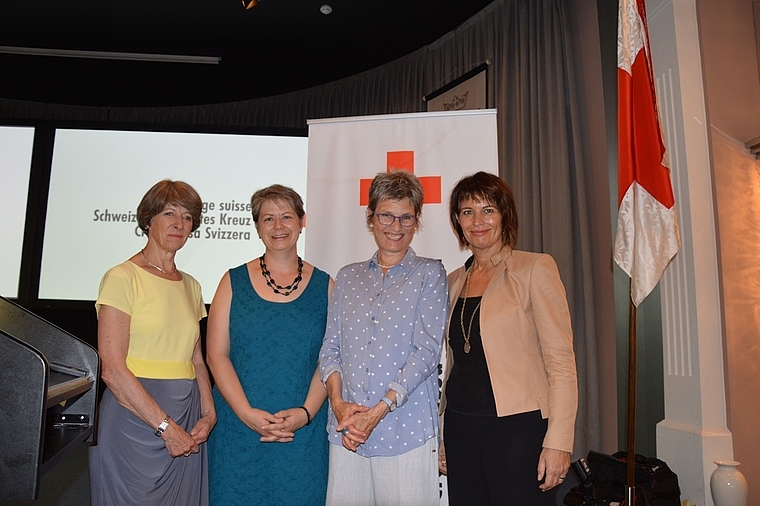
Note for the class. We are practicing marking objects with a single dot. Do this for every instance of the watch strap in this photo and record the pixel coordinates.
(162, 426)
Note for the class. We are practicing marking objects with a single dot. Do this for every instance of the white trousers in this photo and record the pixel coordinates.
(409, 479)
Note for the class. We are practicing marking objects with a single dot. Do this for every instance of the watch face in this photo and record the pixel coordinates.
(391, 404)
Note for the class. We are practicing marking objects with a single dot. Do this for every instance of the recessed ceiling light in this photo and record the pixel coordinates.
(325, 9)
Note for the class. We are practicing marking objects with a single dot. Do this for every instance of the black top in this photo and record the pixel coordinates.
(468, 389)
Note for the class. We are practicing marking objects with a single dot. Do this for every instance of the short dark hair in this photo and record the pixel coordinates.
(277, 192)
(485, 187)
(395, 185)
(167, 192)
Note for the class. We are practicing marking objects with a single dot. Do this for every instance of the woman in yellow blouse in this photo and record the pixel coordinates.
(158, 410)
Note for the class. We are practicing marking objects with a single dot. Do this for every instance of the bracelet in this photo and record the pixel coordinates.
(162, 426)
(308, 415)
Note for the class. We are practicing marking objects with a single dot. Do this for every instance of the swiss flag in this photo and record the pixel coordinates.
(647, 231)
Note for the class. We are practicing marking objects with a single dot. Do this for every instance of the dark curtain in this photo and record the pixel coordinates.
(545, 81)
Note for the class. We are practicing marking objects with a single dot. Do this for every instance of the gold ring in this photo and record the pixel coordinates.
(187, 454)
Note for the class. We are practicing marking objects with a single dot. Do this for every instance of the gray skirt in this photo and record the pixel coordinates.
(131, 466)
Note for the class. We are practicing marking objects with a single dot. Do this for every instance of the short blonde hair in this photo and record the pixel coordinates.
(278, 193)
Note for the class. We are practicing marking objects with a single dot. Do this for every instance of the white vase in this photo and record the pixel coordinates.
(728, 485)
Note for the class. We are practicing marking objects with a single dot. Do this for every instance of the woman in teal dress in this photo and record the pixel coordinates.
(263, 342)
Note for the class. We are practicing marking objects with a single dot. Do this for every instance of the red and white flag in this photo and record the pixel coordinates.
(647, 230)
(346, 153)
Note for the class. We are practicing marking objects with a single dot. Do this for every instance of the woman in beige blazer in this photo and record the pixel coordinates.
(510, 389)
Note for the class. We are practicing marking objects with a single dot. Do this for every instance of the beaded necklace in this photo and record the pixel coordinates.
(286, 290)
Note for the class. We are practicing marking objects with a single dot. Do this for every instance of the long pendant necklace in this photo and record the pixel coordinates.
(286, 290)
(156, 266)
(467, 334)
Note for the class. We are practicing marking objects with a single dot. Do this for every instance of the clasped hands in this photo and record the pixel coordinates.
(279, 427)
(178, 442)
(357, 422)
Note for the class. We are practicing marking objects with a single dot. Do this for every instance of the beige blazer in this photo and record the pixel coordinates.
(528, 341)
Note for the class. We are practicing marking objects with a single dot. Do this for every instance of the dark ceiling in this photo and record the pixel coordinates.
(276, 47)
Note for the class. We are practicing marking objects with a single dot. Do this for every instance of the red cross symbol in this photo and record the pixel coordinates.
(404, 160)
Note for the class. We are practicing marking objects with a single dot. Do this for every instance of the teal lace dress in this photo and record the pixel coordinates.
(274, 348)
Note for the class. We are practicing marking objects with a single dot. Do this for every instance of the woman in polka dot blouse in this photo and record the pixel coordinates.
(379, 360)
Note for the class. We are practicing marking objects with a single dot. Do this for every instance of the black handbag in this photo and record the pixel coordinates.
(655, 483)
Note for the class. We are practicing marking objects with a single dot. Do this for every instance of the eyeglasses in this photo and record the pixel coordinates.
(407, 220)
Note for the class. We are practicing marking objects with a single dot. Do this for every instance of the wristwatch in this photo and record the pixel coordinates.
(391, 404)
(162, 426)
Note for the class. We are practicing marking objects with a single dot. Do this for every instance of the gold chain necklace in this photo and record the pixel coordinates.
(156, 266)
(467, 334)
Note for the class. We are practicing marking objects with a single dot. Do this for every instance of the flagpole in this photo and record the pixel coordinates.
(630, 475)
(647, 234)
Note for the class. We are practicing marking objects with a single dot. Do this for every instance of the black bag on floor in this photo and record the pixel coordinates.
(654, 480)
(602, 480)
